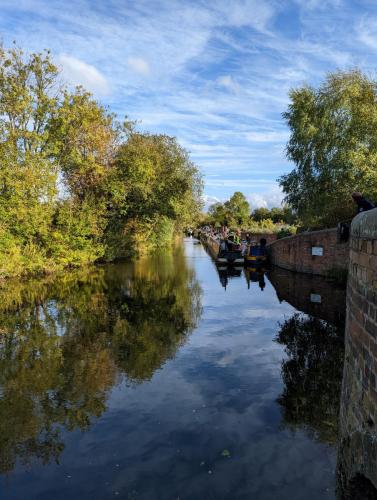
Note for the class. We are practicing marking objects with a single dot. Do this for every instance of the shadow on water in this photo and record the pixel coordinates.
(65, 342)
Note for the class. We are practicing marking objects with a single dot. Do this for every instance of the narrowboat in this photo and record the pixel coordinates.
(256, 255)
(229, 253)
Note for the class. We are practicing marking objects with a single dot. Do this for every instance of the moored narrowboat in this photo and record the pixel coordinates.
(256, 254)
(229, 253)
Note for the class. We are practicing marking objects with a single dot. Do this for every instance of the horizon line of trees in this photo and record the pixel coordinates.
(237, 212)
(76, 185)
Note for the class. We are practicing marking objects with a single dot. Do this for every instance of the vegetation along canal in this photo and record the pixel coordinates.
(169, 378)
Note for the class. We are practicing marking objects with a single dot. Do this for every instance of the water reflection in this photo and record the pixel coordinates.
(313, 342)
(312, 375)
(313, 295)
(64, 343)
(248, 408)
(226, 273)
(255, 275)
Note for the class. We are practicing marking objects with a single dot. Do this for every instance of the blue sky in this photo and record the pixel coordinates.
(215, 74)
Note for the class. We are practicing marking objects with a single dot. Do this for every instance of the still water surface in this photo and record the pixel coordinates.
(167, 378)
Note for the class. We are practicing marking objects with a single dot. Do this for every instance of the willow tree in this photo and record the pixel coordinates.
(333, 145)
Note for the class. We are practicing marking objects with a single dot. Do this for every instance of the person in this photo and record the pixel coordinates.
(262, 246)
(363, 204)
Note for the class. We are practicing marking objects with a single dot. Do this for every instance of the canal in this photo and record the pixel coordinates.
(168, 378)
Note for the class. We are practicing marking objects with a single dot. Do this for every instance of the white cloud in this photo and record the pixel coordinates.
(218, 77)
(209, 200)
(139, 65)
(251, 13)
(267, 199)
(267, 136)
(78, 72)
(318, 4)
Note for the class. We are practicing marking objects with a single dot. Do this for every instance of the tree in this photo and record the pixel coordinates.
(75, 185)
(217, 213)
(27, 175)
(261, 213)
(238, 208)
(154, 189)
(333, 145)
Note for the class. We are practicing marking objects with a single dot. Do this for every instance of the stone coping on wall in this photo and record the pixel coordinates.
(364, 225)
(305, 234)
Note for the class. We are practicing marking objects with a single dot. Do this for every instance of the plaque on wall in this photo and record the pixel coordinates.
(317, 251)
(315, 298)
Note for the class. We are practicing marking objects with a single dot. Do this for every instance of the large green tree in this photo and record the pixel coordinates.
(27, 176)
(154, 190)
(333, 145)
(234, 212)
(238, 208)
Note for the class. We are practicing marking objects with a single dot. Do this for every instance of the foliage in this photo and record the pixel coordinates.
(333, 145)
(276, 214)
(75, 185)
(66, 340)
(154, 189)
(234, 212)
(285, 231)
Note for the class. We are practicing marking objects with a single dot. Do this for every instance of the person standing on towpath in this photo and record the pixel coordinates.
(363, 205)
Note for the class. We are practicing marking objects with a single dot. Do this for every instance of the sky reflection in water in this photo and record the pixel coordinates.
(150, 380)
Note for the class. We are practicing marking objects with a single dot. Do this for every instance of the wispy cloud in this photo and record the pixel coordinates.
(78, 72)
(214, 74)
(139, 65)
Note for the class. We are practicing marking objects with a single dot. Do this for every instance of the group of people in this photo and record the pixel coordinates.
(234, 240)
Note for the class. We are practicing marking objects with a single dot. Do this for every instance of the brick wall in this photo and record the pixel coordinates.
(296, 252)
(358, 413)
(257, 236)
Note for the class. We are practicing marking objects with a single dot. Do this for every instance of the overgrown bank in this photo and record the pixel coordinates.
(76, 185)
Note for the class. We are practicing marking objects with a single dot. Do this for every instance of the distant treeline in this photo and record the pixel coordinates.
(236, 212)
(76, 185)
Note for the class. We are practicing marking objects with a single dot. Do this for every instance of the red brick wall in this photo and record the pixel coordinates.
(295, 252)
(358, 412)
(257, 236)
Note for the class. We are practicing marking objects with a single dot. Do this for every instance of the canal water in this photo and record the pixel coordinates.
(168, 378)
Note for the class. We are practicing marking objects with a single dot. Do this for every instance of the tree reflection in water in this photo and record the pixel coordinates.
(65, 341)
(312, 375)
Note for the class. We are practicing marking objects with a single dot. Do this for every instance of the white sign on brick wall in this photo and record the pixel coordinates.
(315, 298)
(317, 251)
